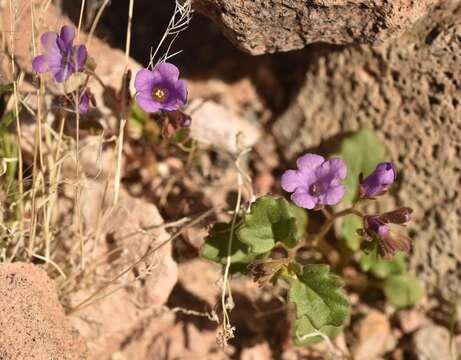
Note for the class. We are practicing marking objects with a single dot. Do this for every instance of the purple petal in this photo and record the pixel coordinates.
(84, 104)
(181, 90)
(309, 162)
(377, 226)
(334, 195)
(185, 121)
(48, 40)
(67, 35)
(339, 168)
(302, 198)
(62, 46)
(81, 57)
(147, 103)
(144, 81)
(60, 74)
(170, 106)
(40, 64)
(379, 180)
(168, 71)
(388, 172)
(291, 180)
(325, 174)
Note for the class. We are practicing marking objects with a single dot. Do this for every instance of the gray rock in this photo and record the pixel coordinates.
(408, 91)
(432, 342)
(268, 26)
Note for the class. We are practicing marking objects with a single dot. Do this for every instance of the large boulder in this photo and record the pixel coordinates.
(268, 26)
(32, 321)
(409, 92)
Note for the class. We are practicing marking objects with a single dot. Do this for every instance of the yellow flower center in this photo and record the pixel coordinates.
(159, 94)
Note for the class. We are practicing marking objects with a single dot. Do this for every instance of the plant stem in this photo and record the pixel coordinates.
(330, 220)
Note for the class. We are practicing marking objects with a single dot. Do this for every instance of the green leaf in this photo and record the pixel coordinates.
(320, 303)
(216, 246)
(181, 135)
(6, 89)
(271, 220)
(403, 290)
(137, 118)
(303, 332)
(382, 269)
(362, 152)
(350, 224)
(6, 121)
(301, 219)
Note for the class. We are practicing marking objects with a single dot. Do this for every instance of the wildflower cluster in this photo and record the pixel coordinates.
(267, 240)
(159, 89)
(274, 226)
(318, 182)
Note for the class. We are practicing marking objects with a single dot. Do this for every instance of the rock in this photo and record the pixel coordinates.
(126, 231)
(373, 334)
(215, 125)
(432, 342)
(32, 322)
(263, 26)
(263, 183)
(161, 337)
(411, 320)
(408, 92)
(260, 351)
(201, 278)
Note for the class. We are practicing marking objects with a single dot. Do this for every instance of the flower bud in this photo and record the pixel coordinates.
(389, 243)
(399, 216)
(379, 181)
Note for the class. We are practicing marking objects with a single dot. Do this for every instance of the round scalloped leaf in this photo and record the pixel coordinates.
(304, 334)
(318, 295)
(403, 290)
(271, 220)
(216, 246)
(349, 226)
(382, 269)
(361, 151)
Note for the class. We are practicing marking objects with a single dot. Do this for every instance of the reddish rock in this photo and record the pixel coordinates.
(373, 337)
(263, 26)
(32, 322)
(134, 227)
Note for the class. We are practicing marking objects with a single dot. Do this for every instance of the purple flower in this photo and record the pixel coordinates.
(316, 182)
(160, 89)
(185, 120)
(379, 181)
(377, 228)
(84, 103)
(62, 58)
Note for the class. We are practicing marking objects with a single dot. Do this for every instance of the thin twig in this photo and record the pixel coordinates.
(96, 22)
(18, 126)
(178, 23)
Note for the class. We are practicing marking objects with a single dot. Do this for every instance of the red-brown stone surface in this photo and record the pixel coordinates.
(32, 322)
(268, 26)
